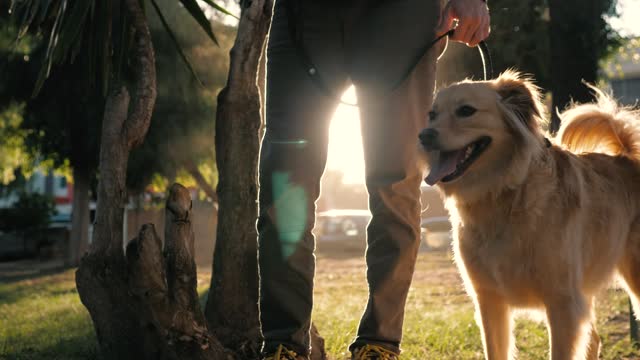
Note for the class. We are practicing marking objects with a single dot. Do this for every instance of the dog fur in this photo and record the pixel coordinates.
(539, 224)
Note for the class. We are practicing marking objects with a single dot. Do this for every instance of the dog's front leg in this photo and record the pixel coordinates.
(494, 319)
(569, 328)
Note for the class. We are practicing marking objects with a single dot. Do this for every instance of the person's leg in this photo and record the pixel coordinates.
(292, 160)
(392, 117)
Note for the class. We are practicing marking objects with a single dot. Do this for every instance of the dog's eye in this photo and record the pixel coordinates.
(465, 111)
(432, 115)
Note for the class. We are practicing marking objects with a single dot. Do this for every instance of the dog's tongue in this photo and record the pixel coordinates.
(445, 165)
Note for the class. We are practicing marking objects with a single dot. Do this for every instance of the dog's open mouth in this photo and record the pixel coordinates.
(451, 165)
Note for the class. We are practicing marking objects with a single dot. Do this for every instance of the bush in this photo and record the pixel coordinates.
(32, 211)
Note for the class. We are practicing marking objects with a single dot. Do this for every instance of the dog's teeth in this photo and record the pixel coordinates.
(468, 152)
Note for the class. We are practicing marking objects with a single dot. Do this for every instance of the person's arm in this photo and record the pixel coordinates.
(473, 21)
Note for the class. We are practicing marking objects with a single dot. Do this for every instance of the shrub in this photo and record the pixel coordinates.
(32, 211)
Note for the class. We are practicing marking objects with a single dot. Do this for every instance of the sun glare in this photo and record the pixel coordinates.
(345, 141)
(627, 23)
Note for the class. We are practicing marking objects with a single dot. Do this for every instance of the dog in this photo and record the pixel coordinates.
(537, 224)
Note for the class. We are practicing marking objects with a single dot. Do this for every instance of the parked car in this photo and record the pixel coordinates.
(341, 224)
(342, 230)
(43, 242)
(436, 232)
(14, 245)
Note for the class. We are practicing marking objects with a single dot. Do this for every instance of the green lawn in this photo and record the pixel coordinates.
(439, 321)
(42, 318)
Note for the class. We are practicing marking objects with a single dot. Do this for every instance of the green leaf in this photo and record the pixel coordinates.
(71, 28)
(175, 41)
(29, 9)
(220, 8)
(43, 10)
(121, 40)
(53, 40)
(101, 45)
(197, 13)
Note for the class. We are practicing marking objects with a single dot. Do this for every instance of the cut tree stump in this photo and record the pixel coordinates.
(146, 303)
(143, 303)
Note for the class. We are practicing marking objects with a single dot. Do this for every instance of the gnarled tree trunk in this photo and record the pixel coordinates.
(142, 306)
(79, 238)
(232, 309)
(232, 305)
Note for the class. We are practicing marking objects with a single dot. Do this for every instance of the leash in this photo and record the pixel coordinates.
(312, 70)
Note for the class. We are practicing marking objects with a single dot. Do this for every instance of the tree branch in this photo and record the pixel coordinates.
(144, 85)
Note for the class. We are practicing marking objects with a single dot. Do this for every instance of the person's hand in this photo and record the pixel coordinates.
(473, 21)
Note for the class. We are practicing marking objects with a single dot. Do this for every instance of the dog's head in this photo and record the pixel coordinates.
(483, 135)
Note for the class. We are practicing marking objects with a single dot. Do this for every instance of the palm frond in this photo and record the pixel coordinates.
(173, 37)
(96, 30)
(221, 9)
(194, 9)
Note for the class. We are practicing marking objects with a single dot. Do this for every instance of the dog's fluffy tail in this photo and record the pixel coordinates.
(602, 127)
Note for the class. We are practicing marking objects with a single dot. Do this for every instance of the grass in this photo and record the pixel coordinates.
(42, 318)
(439, 320)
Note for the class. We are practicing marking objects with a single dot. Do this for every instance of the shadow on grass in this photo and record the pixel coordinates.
(45, 284)
(19, 270)
(81, 346)
(44, 324)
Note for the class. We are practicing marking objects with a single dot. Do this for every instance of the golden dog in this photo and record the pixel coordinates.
(537, 224)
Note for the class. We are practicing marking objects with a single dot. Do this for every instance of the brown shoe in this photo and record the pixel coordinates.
(284, 353)
(373, 352)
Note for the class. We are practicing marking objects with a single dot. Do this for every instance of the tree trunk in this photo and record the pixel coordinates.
(142, 306)
(232, 305)
(79, 239)
(232, 310)
(574, 52)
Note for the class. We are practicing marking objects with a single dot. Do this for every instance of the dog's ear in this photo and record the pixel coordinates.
(521, 97)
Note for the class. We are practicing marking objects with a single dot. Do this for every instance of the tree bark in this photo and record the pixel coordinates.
(232, 305)
(79, 237)
(144, 304)
(232, 310)
(131, 302)
(166, 284)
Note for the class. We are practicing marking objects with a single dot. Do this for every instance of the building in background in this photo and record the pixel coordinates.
(622, 72)
(55, 186)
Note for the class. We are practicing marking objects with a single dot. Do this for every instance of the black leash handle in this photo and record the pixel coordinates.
(483, 49)
(487, 63)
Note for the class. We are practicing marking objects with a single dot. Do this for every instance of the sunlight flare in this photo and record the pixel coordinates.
(345, 141)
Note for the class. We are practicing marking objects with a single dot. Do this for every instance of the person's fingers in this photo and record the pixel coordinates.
(475, 39)
(446, 20)
(473, 22)
(480, 34)
(465, 30)
(487, 23)
(487, 29)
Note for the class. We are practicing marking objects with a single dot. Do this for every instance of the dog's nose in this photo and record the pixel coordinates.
(428, 138)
